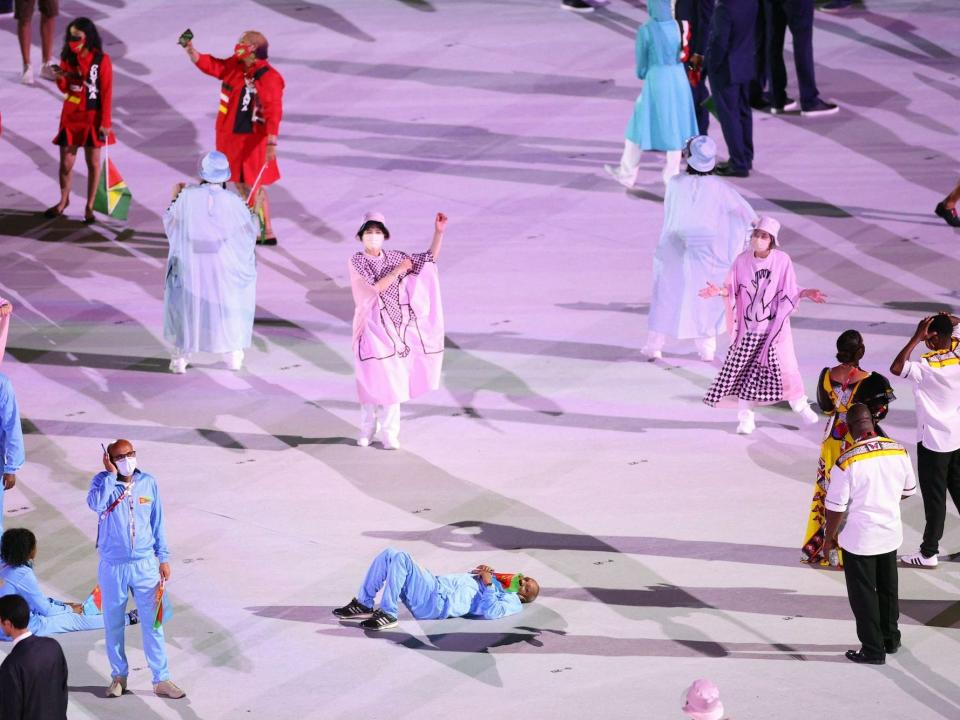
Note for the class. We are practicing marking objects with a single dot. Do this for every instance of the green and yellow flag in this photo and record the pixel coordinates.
(113, 196)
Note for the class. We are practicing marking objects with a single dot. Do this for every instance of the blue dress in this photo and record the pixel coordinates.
(663, 117)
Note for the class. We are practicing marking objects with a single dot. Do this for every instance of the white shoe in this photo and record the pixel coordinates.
(27, 77)
(391, 444)
(235, 359)
(651, 354)
(707, 357)
(46, 71)
(117, 687)
(167, 688)
(178, 365)
(748, 422)
(808, 416)
(919, 561)
(363, 442)
(614, 172)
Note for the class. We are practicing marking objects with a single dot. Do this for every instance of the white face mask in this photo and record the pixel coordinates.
(373, 242)
(126, 466)
(759, 244)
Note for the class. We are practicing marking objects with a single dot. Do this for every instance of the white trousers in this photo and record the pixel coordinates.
(630, 162)
(389, 417)
(706, 346)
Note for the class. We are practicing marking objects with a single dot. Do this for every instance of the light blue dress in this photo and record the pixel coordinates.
(663, 116)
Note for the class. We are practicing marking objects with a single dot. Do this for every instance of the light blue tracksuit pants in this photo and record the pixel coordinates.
(401, 579)
(117, 581)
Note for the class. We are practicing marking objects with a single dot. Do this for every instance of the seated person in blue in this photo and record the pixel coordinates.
(432, 597)
(18, 548)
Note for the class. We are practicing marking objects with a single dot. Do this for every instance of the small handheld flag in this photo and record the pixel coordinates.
(509, 581)
(113, 196)
(93, 605)
(163, 609)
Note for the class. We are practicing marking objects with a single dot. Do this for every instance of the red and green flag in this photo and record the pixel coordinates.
(93, 605)
(163, 609)
(509, 581)
(113, 196)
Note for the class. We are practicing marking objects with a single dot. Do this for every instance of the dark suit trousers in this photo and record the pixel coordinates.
(872, 591)
(700, 94)
(798, 16)
(937, 474)
(736, 120)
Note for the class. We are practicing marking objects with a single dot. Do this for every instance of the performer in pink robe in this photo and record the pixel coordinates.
(397, 327)
(5, 309)
(761, 365)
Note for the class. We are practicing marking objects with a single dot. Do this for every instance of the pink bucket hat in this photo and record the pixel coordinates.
(768, 225)
(702, 699)
(374, 217)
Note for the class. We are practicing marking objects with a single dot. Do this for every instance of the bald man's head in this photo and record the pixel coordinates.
(860, 421)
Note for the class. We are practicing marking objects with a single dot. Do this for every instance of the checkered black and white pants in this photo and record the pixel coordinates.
(743, 376)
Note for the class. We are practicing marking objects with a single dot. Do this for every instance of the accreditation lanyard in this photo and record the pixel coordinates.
(127, 495)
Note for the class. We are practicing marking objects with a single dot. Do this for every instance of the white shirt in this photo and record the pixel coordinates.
(936, 378)
(867, 483)
(20, 637)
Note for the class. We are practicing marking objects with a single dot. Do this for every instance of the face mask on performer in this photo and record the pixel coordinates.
(373, 241)
(241, 50)
(76, 44)
(760, 241)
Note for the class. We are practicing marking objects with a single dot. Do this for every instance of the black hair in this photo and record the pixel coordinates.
(850, 347)
(373, 224)
(92, 40)
(16, 546)
(942, 325)
(261, 51)
(15, 609)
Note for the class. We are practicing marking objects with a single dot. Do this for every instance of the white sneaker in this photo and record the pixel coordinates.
(707, 357)
(748, 422)
(614, 172)
(235, 359)
(363, 442)
(46, 71)
(167, 688)
(391, 444)
(178, 365)
(808, 416)
(27, 77)
(919, 561)
(651, 354)
(117, 687)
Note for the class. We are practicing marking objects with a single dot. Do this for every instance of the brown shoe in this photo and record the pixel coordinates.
(167, 688)
(117, 688)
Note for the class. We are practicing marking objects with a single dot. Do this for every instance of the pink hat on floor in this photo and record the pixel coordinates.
(374, 218)
(768, 225)
(702, 700)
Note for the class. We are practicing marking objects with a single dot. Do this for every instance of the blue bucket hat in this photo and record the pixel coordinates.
(214, 167)
(702, 153)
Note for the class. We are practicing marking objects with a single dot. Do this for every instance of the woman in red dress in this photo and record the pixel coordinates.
(85, 74)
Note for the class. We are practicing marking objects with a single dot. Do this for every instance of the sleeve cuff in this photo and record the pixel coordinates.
(835, 506)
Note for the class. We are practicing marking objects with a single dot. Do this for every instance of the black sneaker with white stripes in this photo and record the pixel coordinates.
(380, 621)
(352, 610)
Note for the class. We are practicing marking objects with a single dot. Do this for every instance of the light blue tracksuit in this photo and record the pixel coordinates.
(132, 542)
(11, 434)
(47, 616)
(432, 597)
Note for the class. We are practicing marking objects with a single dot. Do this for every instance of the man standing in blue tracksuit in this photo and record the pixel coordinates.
(731, 67)
(431, 597)
(11, 439)
(131, 541)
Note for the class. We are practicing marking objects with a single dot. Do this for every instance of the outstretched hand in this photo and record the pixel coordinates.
(6, 309)
(814, 295)
(440, 225)
(709, 291)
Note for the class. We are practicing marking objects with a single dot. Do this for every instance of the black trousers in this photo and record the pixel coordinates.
(938, 473)
(798, 16)
(736, 121)
(700, 94)
(872, 591)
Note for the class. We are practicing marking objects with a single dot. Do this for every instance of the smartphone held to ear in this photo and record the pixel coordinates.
(185, 37)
